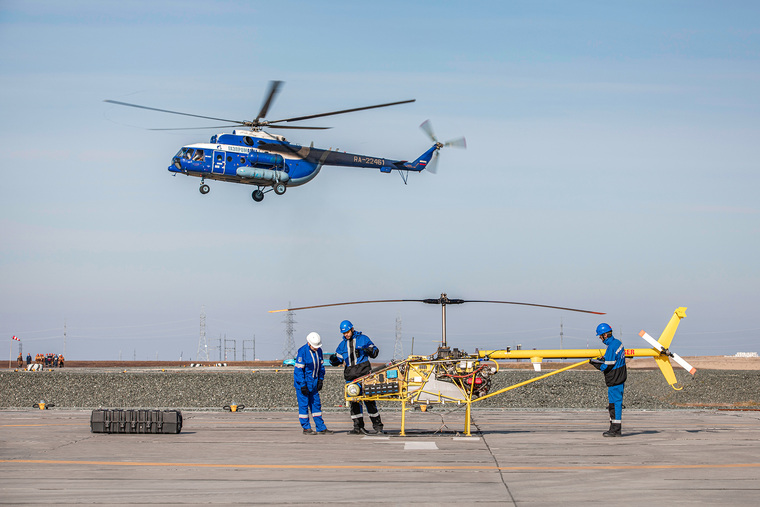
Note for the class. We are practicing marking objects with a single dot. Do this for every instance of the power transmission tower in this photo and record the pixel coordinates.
(202, 354)
(233, 349)
(251, 348)
(398, 348)
(289, 349)
(561, 332)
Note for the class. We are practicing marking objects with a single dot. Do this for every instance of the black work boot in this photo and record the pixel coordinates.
(359, 429)
(377, 424)
(614, 431)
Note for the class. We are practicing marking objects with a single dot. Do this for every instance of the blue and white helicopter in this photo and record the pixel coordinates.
(268, 161)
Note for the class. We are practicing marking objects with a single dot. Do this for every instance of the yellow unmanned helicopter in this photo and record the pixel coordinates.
(451, 376)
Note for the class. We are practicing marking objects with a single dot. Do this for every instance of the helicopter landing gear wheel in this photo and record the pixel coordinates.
(257, 195)
(205, 189)
(279, 188)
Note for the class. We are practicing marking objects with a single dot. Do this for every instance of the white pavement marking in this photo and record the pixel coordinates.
(420, 446)
(466, 439)
(376, 438)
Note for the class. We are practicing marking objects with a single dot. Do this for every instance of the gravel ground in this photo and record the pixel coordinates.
(270, 390)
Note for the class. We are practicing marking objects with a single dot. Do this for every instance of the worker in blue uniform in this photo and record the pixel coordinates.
(612, 364)
(308, 376)
(355, 351)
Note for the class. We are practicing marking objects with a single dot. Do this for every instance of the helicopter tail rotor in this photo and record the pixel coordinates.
(460, 142)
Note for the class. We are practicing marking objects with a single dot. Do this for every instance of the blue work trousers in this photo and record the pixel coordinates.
(311, 402)
(615, 397)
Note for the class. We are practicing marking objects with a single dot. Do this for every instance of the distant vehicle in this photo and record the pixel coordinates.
(289, 362)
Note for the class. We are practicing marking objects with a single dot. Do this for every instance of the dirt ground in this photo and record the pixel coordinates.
(706, 363)
(699, 362)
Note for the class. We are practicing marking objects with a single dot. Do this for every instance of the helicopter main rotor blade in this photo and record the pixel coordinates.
(198, 128)
(446, 301)
(295, 127)
(348, 303)
(239, 123)
(300, 118)
(274, 88)
(532, 304)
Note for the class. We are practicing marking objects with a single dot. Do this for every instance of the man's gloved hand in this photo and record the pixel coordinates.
(359, 351)
(334, 360)
(373, 352)
(319, 385)
(304, 390)
(596, 362)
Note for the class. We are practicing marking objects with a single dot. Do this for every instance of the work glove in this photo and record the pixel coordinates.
(596, 363)
(335, 361)
(319, 385)
(359, 351)
(373, 352)
(305, 390)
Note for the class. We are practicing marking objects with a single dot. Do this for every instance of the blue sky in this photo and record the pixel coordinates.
(612, 165)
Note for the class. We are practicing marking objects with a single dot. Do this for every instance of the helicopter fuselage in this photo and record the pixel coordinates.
(267, 160)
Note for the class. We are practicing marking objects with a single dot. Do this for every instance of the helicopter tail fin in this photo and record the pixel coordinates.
(422, 162)
(662, 345)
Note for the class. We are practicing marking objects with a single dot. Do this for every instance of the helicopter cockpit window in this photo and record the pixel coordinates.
(188, 154)
(198, 155)
(247, 140)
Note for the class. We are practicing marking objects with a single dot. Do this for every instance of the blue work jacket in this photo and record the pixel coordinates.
(614, 369)
(354, 350)
(309, 368)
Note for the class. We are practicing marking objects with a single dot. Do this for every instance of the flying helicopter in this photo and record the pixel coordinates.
(451, 376)
(270, 162)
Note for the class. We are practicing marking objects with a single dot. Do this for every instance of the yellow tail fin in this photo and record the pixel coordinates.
(670, 330)
(666, 337)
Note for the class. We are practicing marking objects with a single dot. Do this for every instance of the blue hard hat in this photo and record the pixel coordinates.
(346, 326)
(603, 328)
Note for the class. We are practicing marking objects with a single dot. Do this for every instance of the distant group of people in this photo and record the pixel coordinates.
(356, 349)
(49, 360)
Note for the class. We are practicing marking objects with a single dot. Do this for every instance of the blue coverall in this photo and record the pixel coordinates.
(354, 352)
(308, 371)
(615, 375)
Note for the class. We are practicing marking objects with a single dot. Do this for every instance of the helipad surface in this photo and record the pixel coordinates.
(513, 458)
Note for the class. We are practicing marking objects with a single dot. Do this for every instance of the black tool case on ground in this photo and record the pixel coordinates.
(116, 420)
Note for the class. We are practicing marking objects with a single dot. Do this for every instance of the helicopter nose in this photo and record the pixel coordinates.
(176, 167)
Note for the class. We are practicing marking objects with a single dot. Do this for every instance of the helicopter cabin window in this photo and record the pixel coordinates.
(242, 160)
(198, 155)
(229, 159)
(219, 157)
(247, 140)
(188, 153)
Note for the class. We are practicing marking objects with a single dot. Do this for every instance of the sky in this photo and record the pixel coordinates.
(611, 165)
